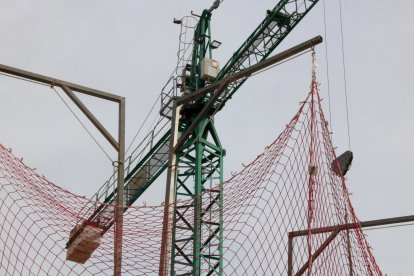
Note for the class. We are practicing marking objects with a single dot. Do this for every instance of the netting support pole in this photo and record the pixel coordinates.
(290, 254)
(119, 209)
(349, 248)
(168, 223)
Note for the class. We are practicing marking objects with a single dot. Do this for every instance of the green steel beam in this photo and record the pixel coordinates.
(202, 41)
(278, 23)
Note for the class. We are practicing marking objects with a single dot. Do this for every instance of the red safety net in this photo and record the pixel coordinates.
(289, 187)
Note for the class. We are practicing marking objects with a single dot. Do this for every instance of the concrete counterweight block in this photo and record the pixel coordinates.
(81, 249)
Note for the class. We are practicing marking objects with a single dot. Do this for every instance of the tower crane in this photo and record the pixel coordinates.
(197, 244)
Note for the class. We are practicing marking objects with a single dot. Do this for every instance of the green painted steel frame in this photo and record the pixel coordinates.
(260, 44)
(198, 222)
(129, 201)
(202, 47)
(278, 23)
(197, 242)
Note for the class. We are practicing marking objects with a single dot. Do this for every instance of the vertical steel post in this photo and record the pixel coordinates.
(290, 254)
(119, 208)
(168, 222)
(221, 217)
(198, 202)
(349, 248)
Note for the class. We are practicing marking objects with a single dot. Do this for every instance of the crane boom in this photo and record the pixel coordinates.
(278, 23)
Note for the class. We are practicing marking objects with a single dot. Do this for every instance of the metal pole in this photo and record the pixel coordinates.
(349, 247)
(119, 208)
(364, 224)
(169, 208)
(52, 81)
(250, 70)
(290, 255)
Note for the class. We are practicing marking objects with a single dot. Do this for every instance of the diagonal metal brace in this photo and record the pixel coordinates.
(91, 117)
(318, 251)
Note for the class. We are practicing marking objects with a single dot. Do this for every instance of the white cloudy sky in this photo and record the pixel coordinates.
(129, 48)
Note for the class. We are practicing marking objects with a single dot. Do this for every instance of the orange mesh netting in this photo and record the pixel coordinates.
(289, 187)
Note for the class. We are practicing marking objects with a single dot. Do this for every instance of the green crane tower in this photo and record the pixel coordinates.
(197, 232)
(198, 244)
(198, 221)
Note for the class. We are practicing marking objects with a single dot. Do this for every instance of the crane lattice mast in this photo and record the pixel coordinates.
(198, 243)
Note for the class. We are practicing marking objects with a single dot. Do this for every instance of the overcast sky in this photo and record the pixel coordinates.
(129, 48)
